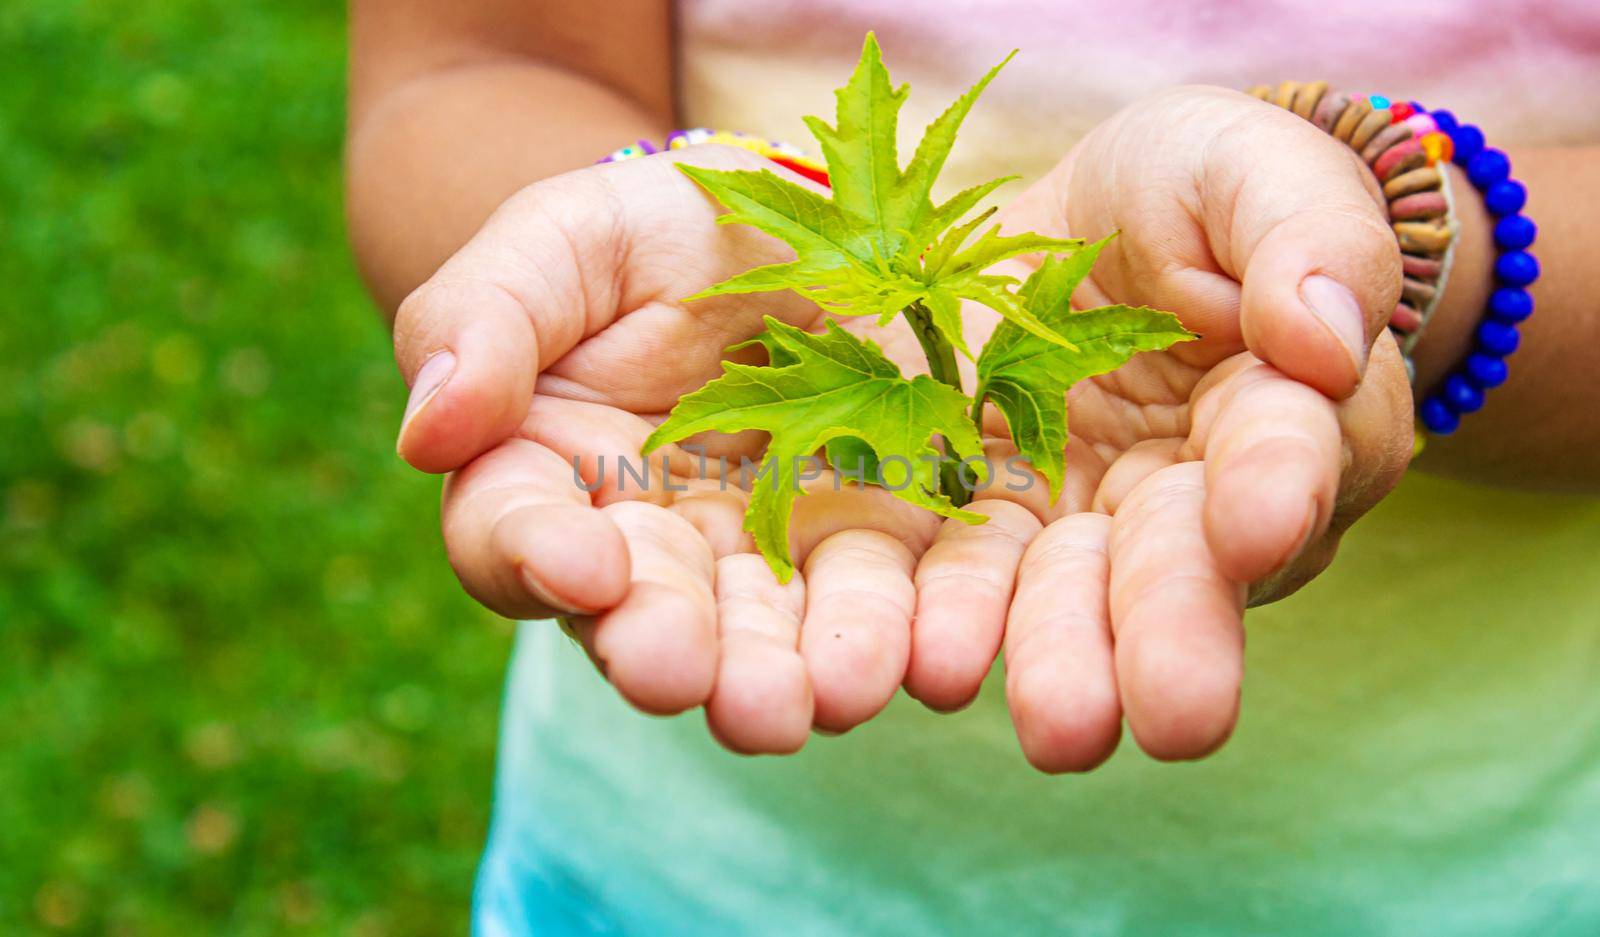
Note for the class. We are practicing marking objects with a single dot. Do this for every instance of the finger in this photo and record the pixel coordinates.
(1061, 685)
(1133, 466)
(1177, 619)
(1273, 456)
(826, 511)
(856, 633)
(600, 445)
(964, 585)
(525, 541)
(659, 646)
(1310, 242)
(1378, 429)
(762, 698)
(467, 351)
(1137, 267)
(718, 513)
(1376, 426)
(1014, 479)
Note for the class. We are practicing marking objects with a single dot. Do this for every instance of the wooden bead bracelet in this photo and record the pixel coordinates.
(1407, 147)
(1404, 147)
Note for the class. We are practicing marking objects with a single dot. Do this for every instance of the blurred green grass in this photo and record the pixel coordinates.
(240, 692)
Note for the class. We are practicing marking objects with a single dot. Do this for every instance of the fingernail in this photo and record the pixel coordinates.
(1312, 513)
(542, 593)
(1334, 304)
(430, 377)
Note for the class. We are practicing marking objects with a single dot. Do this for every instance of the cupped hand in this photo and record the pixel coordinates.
(1221, 472)
(540, 358)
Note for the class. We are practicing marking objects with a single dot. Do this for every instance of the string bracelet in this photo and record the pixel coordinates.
(784, 154)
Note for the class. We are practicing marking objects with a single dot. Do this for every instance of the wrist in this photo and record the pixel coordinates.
(1450, 330)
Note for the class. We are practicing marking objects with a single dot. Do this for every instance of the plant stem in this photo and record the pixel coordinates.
(977, 412)
(941, 357)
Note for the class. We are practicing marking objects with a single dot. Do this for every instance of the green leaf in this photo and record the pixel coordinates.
(959, 275)
(824, 240)
(994, 247)
(863, 167)
(938, 254)
(880, 244)
(996, 292)
(945, 307)
(864, 164)
(852, 457)
(824, 388)
(962, 202)
(910, 206)
(959, 272)
(1027, 376)
(795, 275)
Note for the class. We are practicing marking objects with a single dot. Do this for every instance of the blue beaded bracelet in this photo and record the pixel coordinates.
(1515, 269)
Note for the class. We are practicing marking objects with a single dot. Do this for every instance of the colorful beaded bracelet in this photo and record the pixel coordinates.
(1404, 143)
(784, 154)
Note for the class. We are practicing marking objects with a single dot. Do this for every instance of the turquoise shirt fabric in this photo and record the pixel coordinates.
(1418, 753)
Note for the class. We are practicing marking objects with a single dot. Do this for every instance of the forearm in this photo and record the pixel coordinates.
(454, 107)
(1542, 428)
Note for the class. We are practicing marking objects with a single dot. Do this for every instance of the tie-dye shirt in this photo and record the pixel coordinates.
(1419, 748)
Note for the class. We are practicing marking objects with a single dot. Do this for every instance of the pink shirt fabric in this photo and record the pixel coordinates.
(1526, 72)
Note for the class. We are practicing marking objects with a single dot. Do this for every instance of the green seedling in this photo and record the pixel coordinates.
(882, 247)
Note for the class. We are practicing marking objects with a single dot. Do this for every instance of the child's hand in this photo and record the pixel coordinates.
(558, 334)
(1224, 470)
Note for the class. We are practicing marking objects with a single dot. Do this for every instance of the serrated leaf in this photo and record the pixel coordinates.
(863, 167)
(996, 292)
(1054, 283)
(795, 275)
(957, 206)
(879, 244)
(1028, 376)
(938, 254)
(910, 206)
(824, 240)
(993, 247)
(864, 163)
(826, 387)
(959, 274)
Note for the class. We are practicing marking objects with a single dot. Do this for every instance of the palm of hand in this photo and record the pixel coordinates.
(672, 601)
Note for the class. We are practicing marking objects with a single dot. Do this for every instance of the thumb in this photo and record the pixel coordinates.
(559, 262)
(468, 352)
(1319, 264)
(540, 275)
